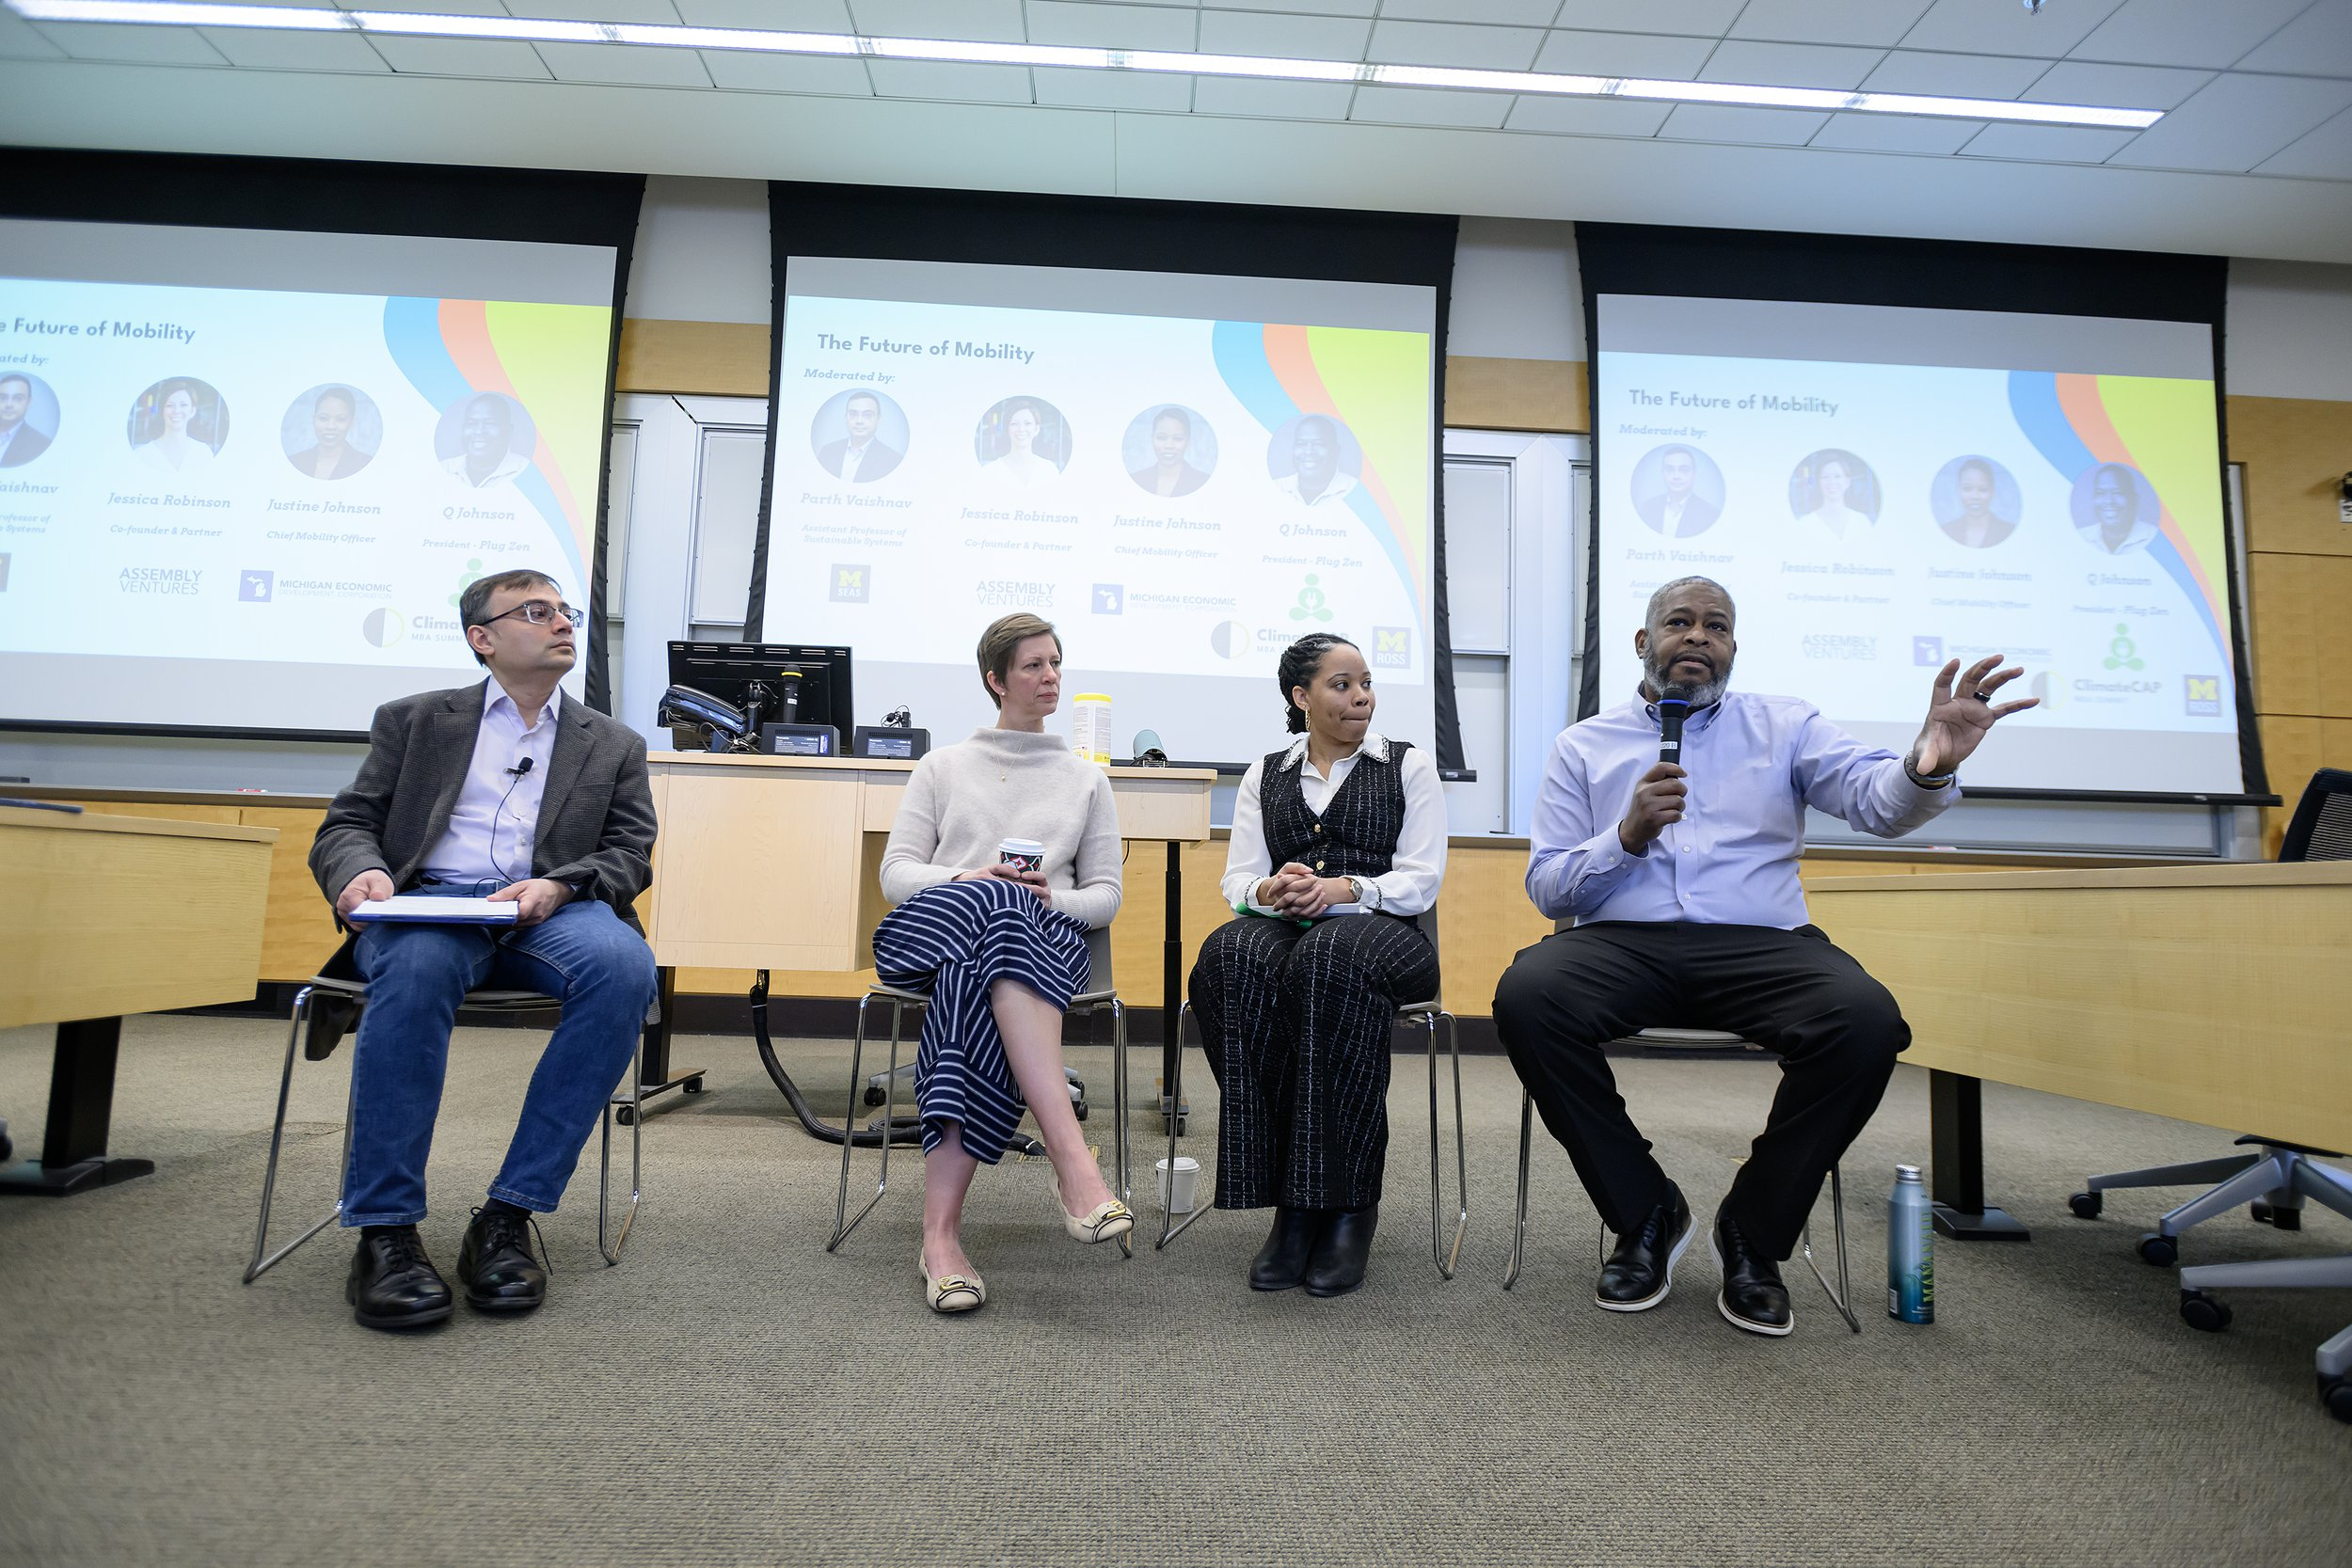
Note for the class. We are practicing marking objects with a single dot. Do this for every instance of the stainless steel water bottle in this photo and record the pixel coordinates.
(1910, 1250)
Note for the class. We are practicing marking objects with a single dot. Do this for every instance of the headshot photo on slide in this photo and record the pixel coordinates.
(1976, 502)
(1168, 450)
(1022, 442)
(179, 426)
(1314, 460)
(331, 432)
(859, 435)
(28, 418)
(2115, 508)
(484, 438)
(1678, 490)
(1836, 490)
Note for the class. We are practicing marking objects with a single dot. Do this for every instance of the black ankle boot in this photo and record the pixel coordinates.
(1281, 1263)
(1338, 1264)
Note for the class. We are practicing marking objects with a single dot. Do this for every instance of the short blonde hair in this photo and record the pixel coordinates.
(1002, 637)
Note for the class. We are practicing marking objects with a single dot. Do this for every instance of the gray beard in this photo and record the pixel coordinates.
(1701, 693)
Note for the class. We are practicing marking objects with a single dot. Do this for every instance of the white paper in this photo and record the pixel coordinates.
(480, 912)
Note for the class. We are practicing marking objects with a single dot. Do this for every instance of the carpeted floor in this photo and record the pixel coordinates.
(733, 1393)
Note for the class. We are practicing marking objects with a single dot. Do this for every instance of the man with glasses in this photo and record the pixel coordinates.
(512, 791)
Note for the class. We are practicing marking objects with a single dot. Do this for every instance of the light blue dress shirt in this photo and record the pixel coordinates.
(495, 823)
(1755, 764)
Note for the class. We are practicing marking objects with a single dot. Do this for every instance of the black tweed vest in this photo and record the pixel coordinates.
(1357, 833)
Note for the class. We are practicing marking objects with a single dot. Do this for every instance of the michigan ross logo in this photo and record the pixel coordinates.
(1393, 647)
(2204, 696)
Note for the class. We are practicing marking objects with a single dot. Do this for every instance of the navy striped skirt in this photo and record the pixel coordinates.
(954, 940)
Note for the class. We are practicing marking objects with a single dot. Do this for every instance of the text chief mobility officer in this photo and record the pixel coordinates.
(1688, 911)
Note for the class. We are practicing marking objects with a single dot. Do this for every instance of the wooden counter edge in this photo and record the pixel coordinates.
(83, 822)
(2218, 874)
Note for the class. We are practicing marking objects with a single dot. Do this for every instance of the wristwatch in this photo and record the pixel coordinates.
(1364, 893)
(1926, 781)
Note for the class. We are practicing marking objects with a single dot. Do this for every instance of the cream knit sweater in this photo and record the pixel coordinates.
(961, 799)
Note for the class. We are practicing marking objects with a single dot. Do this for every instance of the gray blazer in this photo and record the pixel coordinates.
(596, 818)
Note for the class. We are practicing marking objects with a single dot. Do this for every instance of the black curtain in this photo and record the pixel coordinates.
(1838, 269)
(550, 206)
(1115, 234)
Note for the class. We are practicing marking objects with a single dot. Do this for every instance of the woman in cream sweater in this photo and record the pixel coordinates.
(1000, 948)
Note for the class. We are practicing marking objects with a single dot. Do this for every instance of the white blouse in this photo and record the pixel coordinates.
(1408, 887)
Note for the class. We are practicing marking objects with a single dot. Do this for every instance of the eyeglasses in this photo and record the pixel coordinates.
(539, 613)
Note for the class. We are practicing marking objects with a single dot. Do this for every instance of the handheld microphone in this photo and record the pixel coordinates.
(522, 767)
(1673, 706)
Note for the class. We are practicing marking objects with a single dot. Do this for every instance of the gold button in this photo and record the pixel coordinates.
(1318, 865)
(1318, 827)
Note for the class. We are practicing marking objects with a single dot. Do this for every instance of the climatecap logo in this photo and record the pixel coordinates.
(182, 580)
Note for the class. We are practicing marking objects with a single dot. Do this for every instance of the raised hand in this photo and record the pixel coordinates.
(1960, 712)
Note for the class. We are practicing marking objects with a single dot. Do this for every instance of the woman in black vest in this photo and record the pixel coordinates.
(1295, 1003)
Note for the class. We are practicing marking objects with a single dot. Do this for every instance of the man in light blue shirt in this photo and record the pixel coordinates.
(1682, 884)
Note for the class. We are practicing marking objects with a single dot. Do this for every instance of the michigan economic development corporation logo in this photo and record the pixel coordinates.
(1844, 647)
(1393, 647)
(183, 581)
(1111, 598)
(1927, 650)
(2203, 695)
(254, 587)
(851, 584)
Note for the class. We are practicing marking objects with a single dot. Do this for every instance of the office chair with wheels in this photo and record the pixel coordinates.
(1840, 1295)
(337, 1002)
(1100, 993)
(2274, 1177)
(1445, 1254)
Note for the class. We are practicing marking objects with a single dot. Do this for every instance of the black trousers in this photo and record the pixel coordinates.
(1296, 1022)
(1796, 993)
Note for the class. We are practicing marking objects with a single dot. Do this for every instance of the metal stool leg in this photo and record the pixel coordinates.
(1119, 1117)
(259, 1265)
(1518, 1226)
(1447, 1257)
(607, 1242)
(841, 1225)
(1842, 1296)
(1169, 1230)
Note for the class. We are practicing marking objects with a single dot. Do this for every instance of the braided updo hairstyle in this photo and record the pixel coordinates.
(1300, 661)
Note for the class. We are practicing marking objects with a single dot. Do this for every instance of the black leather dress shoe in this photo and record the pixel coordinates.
(1640, 1270)
(393, 1284)
(497, 1266)
(1337, 1265)
(1752, 1296)
(1281, 1263)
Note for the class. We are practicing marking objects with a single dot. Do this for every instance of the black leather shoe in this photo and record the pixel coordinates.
(332, 1016)
(1640, 1270)
(1752, 1296)
(1337, 1265)
(497, 1266)
(1281, 1263)
(393, 1284)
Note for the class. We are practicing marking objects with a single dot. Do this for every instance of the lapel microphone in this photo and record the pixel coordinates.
(524, 766)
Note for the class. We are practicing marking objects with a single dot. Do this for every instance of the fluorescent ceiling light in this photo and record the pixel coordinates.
(204, 13)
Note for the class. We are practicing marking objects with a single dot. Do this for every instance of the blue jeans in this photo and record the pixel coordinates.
(582, 956)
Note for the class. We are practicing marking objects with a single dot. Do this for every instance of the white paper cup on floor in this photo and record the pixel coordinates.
(1178, 1196)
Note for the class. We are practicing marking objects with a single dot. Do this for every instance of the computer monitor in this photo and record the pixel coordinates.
(763, 676)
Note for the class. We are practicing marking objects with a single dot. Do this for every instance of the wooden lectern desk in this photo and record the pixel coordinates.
(105, 915)
(2213, 993)
(774, 862)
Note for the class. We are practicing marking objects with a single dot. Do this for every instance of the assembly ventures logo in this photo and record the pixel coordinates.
(1393, 647)
(2203, 695)
(182, 581)
(1015, 594)
(852, 584)
(1843, 646)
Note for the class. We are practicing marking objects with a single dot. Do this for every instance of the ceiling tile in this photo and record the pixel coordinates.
(1444, 43)
(265, 50)
(2317, 43)
(100, 40)
(988, 20)
(1113, 26)
(1863, 133)
(624, 65)
(2117, 87)
(2048, 143)
(1521, 13)
(2237, 123)
(1623, 55)
(436, 7)
(789, 16)
(1852, 22)
(2006, 27)
(1955, 75)
(659, 12)
(980, 84)
(1113, 89)
(1696, 18)
(1722, 122)
(19, 42)
(1246, 96)
(1587, 116)
(1310, 38)
(1790, 64)
(2325, 154)
(1320, 7)
(742, 71)
(2185, 32)
(1483, 111)
(499, 58)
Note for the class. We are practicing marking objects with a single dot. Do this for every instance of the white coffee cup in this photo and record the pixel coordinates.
(1026, 853)
(1177, 1196)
